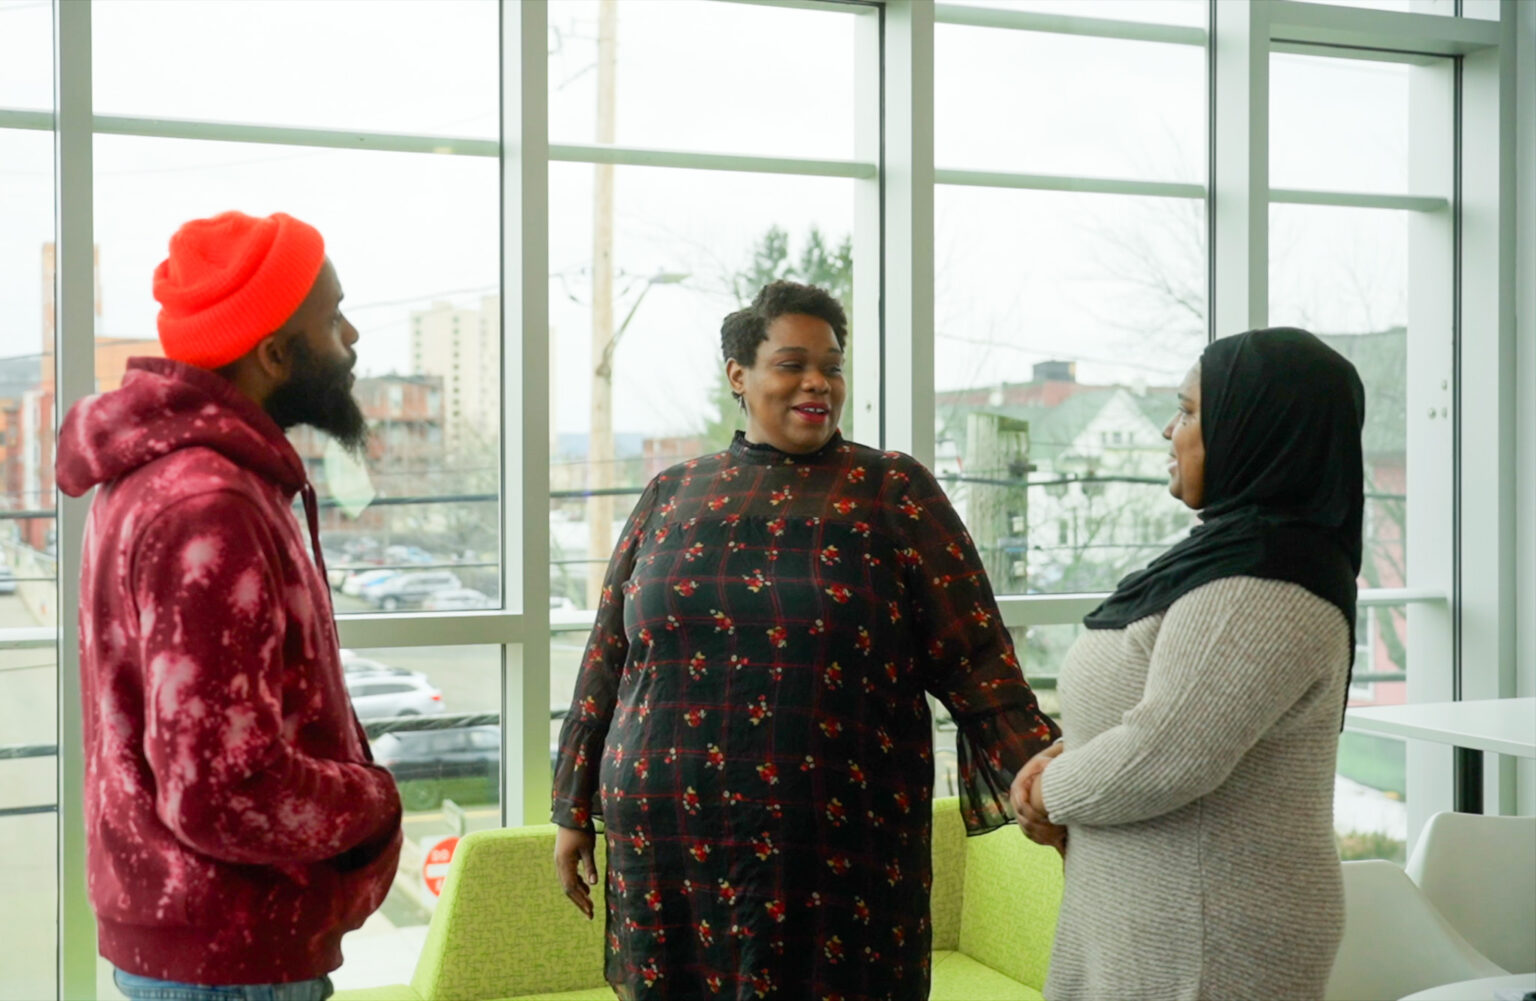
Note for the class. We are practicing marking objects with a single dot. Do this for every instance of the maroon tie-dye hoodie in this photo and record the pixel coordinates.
(236, 825)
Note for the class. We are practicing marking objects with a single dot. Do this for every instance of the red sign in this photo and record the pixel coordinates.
(435, 869)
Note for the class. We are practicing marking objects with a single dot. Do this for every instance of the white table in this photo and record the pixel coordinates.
(1476, 990)
(1503, 726)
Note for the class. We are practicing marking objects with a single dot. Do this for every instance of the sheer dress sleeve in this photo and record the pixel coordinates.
(586, 723)
(966, 654)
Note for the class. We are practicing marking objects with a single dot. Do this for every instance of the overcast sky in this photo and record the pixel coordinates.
(1022, 276)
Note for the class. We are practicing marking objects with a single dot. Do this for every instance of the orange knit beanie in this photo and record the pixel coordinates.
(230, 281)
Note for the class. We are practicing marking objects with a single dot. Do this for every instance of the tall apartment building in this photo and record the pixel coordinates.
(463, 347)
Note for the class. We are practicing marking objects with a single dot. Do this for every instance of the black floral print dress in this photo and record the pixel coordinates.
(751, 721)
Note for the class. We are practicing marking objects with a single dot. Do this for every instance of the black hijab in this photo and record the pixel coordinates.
(1281, 413)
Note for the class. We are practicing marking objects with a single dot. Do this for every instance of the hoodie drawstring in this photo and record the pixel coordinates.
(312, 515)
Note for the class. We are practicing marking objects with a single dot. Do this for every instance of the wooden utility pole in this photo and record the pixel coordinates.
(997, 511)
(600, 452)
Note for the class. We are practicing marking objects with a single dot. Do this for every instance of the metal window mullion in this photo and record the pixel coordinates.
(643, 156)
(867, 350)
(1239, 207)
(1430, 443)
(1397, 597)
(75, 377)
(525, 404)
(1485, 407)
(855, 7)
(32, 638)
(1066, 182)
(1067, 24)
(1020, 611)
(1330, 24)
(454, 629)
(907, 295)
(284, 135)
(1358, 200)
(22, 118)
(1525, 390)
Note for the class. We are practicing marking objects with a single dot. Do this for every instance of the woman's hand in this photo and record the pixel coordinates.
(1029, 802)
(1018, 793)
(573, 848)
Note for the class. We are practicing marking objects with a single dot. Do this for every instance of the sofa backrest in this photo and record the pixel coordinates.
(948, 872)
(505, 927)
(1012, 895)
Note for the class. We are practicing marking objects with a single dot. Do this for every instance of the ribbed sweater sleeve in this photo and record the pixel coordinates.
(1230, 659)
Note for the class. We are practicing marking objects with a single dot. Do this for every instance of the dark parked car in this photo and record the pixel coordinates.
(461, 763)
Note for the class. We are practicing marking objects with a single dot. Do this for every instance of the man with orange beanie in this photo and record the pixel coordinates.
(236, 824)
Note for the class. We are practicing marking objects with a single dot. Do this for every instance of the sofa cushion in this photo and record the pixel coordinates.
(948, 872)
(1012, 894)
(958, 977)
(504, 928)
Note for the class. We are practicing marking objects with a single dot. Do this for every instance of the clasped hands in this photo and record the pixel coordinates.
(1029, 802)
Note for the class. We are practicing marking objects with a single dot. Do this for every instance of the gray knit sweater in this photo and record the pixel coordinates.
(1197, 787)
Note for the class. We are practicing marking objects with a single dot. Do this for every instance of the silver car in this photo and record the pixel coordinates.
(455, 599)
(409, 590)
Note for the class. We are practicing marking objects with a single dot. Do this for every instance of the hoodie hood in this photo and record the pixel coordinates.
(162, 407)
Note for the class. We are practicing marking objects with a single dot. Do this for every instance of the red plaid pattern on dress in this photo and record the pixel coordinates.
(751, 721)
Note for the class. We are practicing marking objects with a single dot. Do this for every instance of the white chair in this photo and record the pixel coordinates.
(1480, 872)
(1395, 942)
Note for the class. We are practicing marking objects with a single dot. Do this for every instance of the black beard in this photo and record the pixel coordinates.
(318, 394)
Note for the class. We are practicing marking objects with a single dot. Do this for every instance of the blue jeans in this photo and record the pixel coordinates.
(137, 988)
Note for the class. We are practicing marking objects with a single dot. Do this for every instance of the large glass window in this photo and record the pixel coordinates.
(1098, 123)
(1058, 359)
(403, 67)
(1067, 306)
(28, 662)
(413, 229)
(1065, 318)
(432, 715)
(1345, 273)
(768, 82)
(1072, 289)
(675, 276)
(645, 262)
(413, 237)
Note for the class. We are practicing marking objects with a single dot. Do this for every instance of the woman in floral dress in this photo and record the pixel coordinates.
(751, 718)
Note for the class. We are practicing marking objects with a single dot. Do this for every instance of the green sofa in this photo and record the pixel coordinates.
(503, 930)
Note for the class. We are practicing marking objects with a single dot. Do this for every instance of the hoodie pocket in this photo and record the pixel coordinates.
(362, 890)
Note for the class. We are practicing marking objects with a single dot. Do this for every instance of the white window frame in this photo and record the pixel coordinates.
(1471, 593)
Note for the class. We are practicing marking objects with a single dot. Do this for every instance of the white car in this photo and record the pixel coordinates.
(382, 696)
(357, 580)
(457, 599)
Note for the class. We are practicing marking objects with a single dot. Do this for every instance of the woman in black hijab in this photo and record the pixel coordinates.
(1201, 709)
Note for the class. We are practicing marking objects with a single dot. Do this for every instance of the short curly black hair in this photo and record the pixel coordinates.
(745, 329)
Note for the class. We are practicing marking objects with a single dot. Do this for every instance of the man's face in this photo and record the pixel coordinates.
(319, 387)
